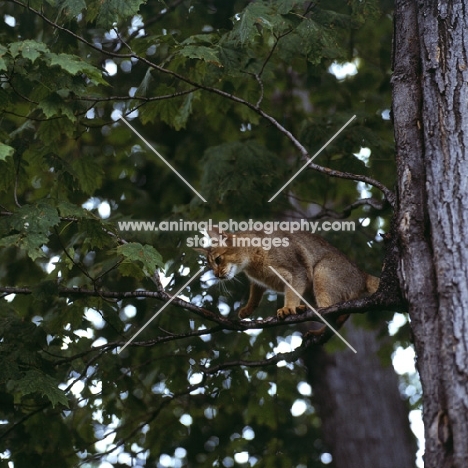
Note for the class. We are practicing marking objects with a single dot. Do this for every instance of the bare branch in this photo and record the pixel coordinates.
(260, 83)
(377, 302)
(323, 212)
(15, 188)
(136, 98)
(77, 264)
(272, 50)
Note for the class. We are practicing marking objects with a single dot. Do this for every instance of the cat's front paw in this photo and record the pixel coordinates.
(245, 312)
(285, 311)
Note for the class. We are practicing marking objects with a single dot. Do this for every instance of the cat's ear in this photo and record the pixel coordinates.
(222, 237)
(215, 232)
(205, 243)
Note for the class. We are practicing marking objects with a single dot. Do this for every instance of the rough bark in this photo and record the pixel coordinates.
(431, 132)
(364, 419)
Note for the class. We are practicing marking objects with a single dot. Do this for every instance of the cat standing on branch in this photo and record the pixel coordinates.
(306, 261)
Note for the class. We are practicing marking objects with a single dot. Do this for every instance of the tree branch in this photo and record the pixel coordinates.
(376, 302)
(324, 212)
(136, 98)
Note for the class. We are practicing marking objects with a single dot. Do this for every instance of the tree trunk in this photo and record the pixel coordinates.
(364, 420)
(431, 132)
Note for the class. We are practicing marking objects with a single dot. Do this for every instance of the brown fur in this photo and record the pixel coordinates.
(309, 263)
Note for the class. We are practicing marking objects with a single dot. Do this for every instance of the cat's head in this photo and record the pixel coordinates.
(224, 258)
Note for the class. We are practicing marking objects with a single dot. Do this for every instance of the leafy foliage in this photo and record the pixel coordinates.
(135, 253)
(5, 151)
(241, 174)
(194, 78)
(29, 227)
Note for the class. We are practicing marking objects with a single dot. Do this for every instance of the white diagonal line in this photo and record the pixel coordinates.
(312, 158)
(160, 310)
(159, 156)
(313, 310)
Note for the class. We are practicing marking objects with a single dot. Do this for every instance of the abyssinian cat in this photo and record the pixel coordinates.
(306, 261)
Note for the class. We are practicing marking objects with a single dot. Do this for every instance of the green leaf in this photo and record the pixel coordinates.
(146, 255)
(58, 318)
(70, 210)
(34, 218)
(33, 243)
(72, 8)
(112, 11)
(50, 131)
(241, 174)
(73, 65)
(5, 151)
(184, 112)
(3, 62)
(310, 40)
(131, 270)
(285, 6)
(10, 241)
(88, 173)
(55, 105)
(33, 223)
(167, 110)
(146, 84)
(207, 54)
(250, 19)
(28, 49)
(363, 10)
(36, 381)
(95, 233)
(233, 58)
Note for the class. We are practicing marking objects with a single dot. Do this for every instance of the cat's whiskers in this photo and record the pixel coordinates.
(224, 288)
(235, 278)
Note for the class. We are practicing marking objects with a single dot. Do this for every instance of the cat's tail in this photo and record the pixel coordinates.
(372, 284)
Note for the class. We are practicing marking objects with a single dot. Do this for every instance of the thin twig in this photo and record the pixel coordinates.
(83, 270)
(136, 98)
(260, 83)
(272, 50)
(15, 189)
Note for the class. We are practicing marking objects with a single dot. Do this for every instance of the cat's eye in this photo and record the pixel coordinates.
(217, 260)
